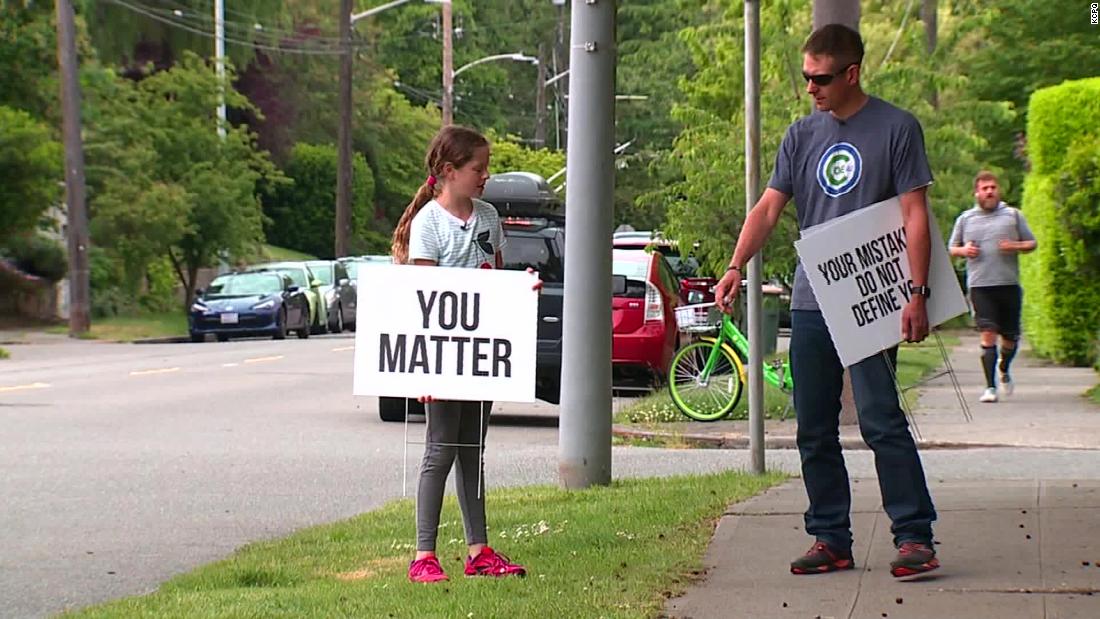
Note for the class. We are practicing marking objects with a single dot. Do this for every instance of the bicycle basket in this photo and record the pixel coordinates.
(701, 317)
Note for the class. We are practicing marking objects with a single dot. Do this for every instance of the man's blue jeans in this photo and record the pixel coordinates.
(818, 381)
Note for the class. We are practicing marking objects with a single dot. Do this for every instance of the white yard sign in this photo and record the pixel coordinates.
(858, 267)
(455, 334)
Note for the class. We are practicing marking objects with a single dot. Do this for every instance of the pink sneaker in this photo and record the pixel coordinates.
(427, 569)
(491, 563)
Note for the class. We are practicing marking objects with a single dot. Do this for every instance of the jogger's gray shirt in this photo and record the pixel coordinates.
(987, 229)
(833, 167)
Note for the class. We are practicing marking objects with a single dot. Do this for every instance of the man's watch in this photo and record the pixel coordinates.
(923, 291)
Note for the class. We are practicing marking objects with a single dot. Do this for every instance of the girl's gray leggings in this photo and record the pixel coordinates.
(452, 423)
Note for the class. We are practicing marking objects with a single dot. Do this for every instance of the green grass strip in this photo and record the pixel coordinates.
(616, 551)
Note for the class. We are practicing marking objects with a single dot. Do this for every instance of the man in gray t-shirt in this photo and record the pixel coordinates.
(991, 236)
(853, 151)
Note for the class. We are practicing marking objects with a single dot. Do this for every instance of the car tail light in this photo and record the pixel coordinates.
(654, 306)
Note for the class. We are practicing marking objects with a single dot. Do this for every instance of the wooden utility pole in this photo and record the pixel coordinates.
(448, 66)
(77, 214)
(928, 16)
(343, 167)
(540, 100)
(840, 12)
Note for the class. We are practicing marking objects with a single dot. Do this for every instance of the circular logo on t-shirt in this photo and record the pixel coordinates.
(839, 169)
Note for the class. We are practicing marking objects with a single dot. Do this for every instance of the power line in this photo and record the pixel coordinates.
(152, 14)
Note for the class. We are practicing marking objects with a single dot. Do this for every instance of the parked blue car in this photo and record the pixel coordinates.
(249, 304)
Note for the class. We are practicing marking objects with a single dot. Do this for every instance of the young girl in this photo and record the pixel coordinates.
(446, 225)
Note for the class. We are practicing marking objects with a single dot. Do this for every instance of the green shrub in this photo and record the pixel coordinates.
(1062, 202)
(1056, 117)
(38, 255)
(105, 277)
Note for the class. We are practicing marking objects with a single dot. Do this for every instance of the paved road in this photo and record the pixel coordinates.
(126, 464)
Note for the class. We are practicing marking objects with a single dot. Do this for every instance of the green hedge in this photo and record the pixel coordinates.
(1056, 117)
(1062, 203)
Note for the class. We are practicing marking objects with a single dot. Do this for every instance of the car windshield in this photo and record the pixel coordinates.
(521, 252)
(298, 276)
(631, 269)
(322, 271)
(245, 284)
(353, 269)
(683, 267)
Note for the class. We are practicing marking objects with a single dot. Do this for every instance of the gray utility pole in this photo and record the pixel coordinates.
(584, 443)
(448, 67)
(836, 12)
(77, 214)
(756, 265)
(219, 61)
(540, 100)
(840, 12)
(343, 166)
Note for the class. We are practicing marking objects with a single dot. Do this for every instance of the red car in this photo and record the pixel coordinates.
(685, 268)
(643, 316)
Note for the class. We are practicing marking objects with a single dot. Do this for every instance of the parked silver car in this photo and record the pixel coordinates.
(337, 293)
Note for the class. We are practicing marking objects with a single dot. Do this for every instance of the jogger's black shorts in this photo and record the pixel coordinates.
(997, 308)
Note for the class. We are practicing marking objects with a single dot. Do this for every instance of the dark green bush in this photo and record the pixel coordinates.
(302, 215)
(38, 255)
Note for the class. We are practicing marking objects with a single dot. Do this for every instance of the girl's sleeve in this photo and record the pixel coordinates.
(423, 241)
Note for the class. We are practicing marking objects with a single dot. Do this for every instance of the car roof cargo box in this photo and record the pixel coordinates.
(523, 194)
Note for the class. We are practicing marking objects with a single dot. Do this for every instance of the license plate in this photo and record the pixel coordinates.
(230, 318)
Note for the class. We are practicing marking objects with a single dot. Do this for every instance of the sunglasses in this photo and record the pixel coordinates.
(824, 79)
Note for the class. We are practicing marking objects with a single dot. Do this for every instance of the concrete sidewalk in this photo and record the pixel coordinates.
(1009, 550)
(1047, 410)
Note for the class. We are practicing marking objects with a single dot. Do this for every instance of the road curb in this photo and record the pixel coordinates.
(179, 339)
(741, 441)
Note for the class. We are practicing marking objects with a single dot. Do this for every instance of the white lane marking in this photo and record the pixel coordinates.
(24, 387)
(343, 348)
(230, 365)
(263, 359)
(158, 371)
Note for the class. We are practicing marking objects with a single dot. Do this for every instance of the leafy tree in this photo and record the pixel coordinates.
(302, 214)
(163, 183)
(1015, 48)
(709, 204)
(31, 162)
(511, 156)
(28, 56)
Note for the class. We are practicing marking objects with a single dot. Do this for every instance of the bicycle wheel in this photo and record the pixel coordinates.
(718, 395)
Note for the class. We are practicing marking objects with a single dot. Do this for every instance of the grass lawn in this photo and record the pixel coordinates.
(4, 354)
(616, 551)
(130, 328)
(271, 253)
(915, 361)
(1094, 394)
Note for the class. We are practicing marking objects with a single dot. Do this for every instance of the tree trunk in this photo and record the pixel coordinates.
(840, 12)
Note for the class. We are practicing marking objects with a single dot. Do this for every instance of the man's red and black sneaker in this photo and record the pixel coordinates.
(914, 558)
(822, 558)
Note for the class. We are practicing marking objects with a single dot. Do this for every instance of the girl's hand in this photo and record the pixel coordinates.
(538, 283)
(425, 399)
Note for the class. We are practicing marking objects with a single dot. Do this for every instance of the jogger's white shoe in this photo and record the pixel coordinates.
(989, 395)
(1007, 386)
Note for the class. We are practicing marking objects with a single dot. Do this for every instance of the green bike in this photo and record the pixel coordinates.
(708, 375)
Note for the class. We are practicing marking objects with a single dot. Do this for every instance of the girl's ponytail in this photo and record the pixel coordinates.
(453, 144)
(400, 246)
